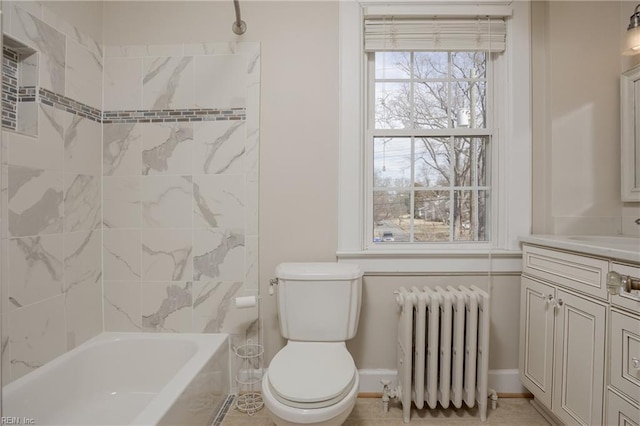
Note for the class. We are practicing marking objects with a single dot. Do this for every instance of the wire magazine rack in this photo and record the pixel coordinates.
(249, 378)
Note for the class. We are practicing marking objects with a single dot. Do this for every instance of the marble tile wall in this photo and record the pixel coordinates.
(51, 200)
(180, 197)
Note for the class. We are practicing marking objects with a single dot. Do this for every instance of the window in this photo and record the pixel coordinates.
(434, 158)
(430, 130)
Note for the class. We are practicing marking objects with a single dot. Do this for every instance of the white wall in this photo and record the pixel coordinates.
(576, 155)
(630, 211)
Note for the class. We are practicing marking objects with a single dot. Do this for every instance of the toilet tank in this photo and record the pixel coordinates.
(319, 302)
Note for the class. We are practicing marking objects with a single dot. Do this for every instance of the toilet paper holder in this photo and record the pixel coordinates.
(246, 301)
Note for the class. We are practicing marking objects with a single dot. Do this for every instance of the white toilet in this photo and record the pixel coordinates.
(313, 379)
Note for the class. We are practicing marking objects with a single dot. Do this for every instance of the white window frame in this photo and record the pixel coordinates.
(511, 157)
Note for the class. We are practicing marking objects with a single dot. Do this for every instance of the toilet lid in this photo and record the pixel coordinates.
(311, 372)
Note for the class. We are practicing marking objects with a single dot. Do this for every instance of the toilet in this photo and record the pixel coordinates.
(313, 380)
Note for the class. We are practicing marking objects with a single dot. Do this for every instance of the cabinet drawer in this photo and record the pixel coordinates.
(625, 354)
(621, 412)
(580, 273)
(631, 300)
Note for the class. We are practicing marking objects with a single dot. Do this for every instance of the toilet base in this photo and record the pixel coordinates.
(336, 421)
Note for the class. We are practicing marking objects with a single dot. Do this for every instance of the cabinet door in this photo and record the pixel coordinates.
(536, 338)
(579, 360)
(621, 412)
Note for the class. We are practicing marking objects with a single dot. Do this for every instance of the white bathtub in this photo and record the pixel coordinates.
(127, 379)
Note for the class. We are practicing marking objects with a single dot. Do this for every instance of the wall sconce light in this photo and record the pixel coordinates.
(633, 34)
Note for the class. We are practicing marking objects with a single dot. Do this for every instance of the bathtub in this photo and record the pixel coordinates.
(126, 379)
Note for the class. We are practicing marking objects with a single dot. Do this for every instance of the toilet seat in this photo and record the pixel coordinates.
(282, 414)
(312, 374)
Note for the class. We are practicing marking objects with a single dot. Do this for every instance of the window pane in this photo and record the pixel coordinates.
(468, 64)
(393, 65)
(463, 163)
(479, 96)
(483, 216)
(430, 65)
(431, 100)
(432, 162)
(391, 162)
(462, 216)
(440, 178)
(482, 157)
(464, 95)
(431, 214)
(393, 107)
(391, 219)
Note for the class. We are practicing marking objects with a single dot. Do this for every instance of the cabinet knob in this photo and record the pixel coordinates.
(560, 302)
(635, 362)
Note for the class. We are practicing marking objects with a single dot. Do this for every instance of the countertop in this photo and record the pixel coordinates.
(625, 248)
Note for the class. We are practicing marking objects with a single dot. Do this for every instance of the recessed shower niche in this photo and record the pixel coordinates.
(19, 87)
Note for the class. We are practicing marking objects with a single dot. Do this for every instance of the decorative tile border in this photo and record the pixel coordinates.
(173, 115)
(10, 54)
(27, 94)
(47, 97)
(55, 100)
(9, 89)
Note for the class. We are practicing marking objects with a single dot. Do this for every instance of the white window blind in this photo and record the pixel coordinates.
(433, 34)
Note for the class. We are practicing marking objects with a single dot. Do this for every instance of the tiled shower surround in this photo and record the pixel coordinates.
(136, 212)
(180, 194)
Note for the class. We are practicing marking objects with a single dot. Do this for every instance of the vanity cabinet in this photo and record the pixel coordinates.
(562, 333)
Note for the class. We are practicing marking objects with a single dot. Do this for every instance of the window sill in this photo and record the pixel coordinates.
(408, 262)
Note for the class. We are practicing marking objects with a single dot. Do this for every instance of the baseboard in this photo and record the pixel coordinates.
(503, 381)
(370, 379)
(370, 395)
(526, 395)
(506, 382)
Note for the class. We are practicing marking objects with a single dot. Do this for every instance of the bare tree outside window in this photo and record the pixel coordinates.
(430, 145)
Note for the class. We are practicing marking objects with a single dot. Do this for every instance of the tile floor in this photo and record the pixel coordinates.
(368, 412)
